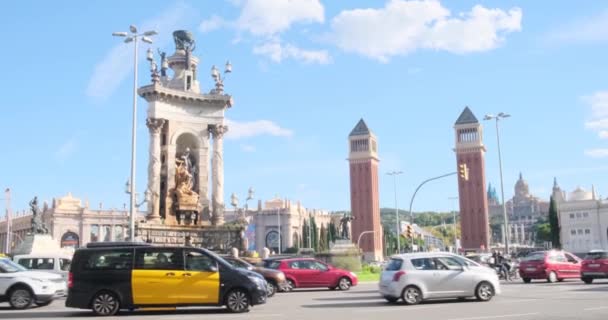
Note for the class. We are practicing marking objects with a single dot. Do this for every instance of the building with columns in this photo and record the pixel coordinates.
(72, 224)
(583, 219)
(263, 221)
(364, 193)
(470, 151)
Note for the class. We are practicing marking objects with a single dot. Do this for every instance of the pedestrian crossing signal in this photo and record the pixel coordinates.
(463, 171)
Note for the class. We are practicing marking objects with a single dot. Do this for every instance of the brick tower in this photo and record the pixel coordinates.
(364, 197)
(470, 151)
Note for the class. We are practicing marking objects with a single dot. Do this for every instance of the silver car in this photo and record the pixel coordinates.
(415, 277)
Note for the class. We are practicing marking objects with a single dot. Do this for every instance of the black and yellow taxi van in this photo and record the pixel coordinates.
(108, 277)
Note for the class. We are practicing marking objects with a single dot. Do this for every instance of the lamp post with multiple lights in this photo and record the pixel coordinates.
(506, 236)
(133, 36)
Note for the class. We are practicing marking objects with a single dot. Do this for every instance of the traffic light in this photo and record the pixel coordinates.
(409, 231)
(463, 171)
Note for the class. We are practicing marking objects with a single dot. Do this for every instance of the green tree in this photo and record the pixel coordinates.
(314, 234)
(554, 222)
(543, 232)
(305, 234)
(328, 239)
(323, 239)
(332, 232)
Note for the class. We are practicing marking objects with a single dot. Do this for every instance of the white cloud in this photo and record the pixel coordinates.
(247, 148)
(583, 30)
(402, 27)
(66, 149)
(278, 52)
(597, 153)
(117, 64)
(240, 130)
(599, 113)
(269, 17)
(213, 23)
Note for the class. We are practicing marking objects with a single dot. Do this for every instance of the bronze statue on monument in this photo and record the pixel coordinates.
(38, 226)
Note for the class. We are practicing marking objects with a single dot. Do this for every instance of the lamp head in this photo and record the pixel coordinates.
(250, 193)
(129, 39)
(214, 72)
(150, 55)
(146, 39)
(133, 29)
(489, 117)
(503, 115)
(228, 67)
(128, 186)
(150, 33)
(119, 34)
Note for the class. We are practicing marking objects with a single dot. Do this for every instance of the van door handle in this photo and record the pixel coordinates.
(187, 274)
(169, 274)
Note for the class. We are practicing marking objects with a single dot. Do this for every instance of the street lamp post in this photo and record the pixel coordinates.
(279, 227)
(7, 245)
(133, 36)
(414, 195)
(506, 236)
(395, 174)
(362, 233)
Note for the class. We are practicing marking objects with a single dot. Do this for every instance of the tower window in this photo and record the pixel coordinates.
(359, 145)
(163, 139)
(188, 82)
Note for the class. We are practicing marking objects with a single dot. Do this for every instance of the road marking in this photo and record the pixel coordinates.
(404, 308)
(596, 308)
(498, 317)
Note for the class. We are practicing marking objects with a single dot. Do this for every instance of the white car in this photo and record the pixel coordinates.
(51, 262)
(416, 277)
(22, 287)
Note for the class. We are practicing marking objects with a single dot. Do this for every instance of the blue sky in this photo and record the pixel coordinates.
(304, 73)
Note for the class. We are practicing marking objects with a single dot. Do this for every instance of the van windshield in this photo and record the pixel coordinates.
(7, 266)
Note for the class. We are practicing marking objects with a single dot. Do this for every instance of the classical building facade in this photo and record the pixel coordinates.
(523, 210)
(264, 222)
(364, 196)
(470, 153)
(583, 219)
(72, 224)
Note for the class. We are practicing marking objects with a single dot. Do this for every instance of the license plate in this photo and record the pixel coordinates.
(530, 269)
(594, 265)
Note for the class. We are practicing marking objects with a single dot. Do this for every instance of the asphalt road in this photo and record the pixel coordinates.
(567, 300)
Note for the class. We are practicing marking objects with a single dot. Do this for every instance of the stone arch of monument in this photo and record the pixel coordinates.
(70, 239)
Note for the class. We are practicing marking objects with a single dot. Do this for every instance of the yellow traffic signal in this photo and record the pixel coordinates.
(463, 171)
(409, 231)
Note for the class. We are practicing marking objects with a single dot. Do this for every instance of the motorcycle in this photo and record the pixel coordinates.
(512, 270)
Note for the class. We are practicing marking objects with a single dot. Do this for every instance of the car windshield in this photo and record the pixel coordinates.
(7, 266)
(274, 264)
(467, 262)
(535, 256)
(394, 265)
(595, 255)
(238, 263)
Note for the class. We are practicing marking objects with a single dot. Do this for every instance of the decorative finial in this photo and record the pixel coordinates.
(219, 79)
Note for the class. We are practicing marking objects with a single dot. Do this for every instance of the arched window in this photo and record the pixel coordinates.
(70, 240)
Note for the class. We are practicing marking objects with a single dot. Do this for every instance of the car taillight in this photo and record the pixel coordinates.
(398, 275)
(70, 280)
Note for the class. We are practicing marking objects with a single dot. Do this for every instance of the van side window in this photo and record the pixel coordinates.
(117, 259)
(158, 259)
(38, 263)
(197, 261)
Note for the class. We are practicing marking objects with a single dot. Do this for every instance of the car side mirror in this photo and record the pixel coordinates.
(250, 268)
(212, 269)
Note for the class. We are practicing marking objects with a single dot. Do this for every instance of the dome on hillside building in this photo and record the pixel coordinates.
(580, 194)
(521, 187)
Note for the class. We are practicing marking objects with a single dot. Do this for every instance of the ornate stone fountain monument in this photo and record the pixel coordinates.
(186, 152)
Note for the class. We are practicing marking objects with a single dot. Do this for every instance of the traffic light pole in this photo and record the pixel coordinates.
(414, 195)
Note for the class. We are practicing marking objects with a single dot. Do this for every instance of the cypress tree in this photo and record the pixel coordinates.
(554, 223)
(323, 238)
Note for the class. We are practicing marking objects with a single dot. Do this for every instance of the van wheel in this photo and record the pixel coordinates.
(552, 277)
(20, 298)
(527, 280)
(344, 284)
(484, 291)
(105, 304)
(237, 301)
(411, 295)
(588, 280)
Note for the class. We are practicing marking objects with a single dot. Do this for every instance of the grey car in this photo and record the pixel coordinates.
(416, 277)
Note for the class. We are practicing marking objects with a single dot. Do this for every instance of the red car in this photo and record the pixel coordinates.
(311, 273)
(595, 266)
(551, 265)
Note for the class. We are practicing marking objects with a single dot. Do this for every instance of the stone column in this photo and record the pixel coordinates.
(217, 183)
(155, 126)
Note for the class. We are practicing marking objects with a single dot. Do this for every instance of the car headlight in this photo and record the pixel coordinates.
(259, 282)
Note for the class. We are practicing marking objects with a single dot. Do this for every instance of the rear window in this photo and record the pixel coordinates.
(535, 256)
(596, 255)
(394, 265)
(38, 263)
